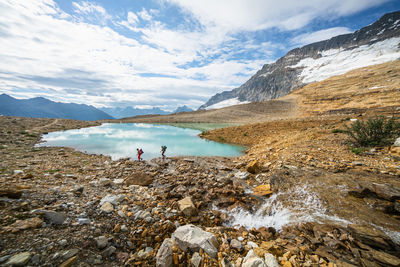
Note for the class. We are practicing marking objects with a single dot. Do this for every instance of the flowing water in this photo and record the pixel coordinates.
(120, 140)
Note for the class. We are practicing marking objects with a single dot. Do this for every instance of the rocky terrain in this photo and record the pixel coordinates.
(298, 196)
(61, 207)
(375, 43)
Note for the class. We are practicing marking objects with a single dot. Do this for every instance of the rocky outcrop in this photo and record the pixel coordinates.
(281, 77)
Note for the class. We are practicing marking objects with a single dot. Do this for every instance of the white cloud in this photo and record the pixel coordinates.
(77, 57)
(252, 15)
(144, 14)
(132, 18)
(308, 38)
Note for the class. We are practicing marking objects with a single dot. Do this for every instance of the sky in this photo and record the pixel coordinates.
(159, 53)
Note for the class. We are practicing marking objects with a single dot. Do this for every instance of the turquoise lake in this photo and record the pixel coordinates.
(120, 140)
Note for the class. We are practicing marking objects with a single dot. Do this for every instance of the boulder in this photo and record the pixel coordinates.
(187, 207)
(262, 190)
(164, 254)
(139, 178)
(20, 259)
(194, 238)
(253, 167)
(252, 260)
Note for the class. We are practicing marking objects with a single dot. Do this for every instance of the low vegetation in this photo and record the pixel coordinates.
(379, 131)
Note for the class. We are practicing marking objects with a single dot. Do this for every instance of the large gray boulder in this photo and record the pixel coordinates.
(164, 254)
(193, 238)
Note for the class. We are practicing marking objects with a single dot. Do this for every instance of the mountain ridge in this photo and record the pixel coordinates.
(40, 107)
(286, 74)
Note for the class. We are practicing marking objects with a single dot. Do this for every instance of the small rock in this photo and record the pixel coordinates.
(262, 190)
(101, 241)
(19, 225)
(109, 251)
(237, 245)
(113, 199)
(16, 172)
(187, 207)
(4, 258)
(69, 262)
(124, 228)
(20, 259)
(104, 182)
(196, 259)
(11, 192)
(139, 178)
(70, 253)
(385, 258)
(242, 175)
(107, 207)
(253, 167)
(118, 181)
(52, 216)
(63, 242)
(83, 221)
(397, 142)
(35, 260)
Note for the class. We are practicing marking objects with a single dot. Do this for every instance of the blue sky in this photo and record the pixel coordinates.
(163, 53)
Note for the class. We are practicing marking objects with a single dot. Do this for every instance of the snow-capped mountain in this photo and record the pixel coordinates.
(373, 44)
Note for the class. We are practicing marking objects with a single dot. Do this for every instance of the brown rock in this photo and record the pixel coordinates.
(253, 167)
(370, 236)
(24, 224)
(263, 190)
(68, 262)
(385, 258)
(187, 207)
(139, 178)
(10, 192)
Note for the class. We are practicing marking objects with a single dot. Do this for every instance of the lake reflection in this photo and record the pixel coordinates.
(120, 140)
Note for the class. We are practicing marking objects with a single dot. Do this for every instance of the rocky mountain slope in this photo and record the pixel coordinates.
(40, 107)
(373, 44)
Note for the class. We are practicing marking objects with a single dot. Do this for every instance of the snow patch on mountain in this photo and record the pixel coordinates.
(339, 61)
(227, 103)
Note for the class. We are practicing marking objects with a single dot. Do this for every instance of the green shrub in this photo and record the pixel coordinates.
(357, 150)
(373, 132)
(338, 131)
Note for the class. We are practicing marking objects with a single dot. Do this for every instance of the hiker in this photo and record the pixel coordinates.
(139, 153)
(163, 148)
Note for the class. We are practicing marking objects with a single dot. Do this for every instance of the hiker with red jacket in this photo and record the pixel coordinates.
(139, 153)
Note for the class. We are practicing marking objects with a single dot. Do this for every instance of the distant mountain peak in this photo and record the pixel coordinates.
(373, 44)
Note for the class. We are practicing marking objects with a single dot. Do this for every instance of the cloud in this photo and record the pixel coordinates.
(91, 12)
(252, 15)
(139, 58)
(308, 38)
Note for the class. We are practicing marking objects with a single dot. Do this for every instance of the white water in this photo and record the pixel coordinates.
(284, 208)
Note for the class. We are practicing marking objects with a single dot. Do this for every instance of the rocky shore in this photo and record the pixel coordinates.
(60, 207)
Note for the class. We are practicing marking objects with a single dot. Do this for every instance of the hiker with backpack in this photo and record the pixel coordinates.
(163, 149)
(139, 153)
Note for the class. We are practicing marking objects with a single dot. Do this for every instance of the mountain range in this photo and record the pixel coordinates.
(126, 112)
(373, 44)
(40, 107)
